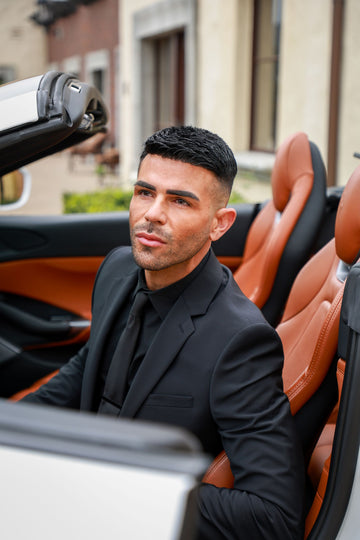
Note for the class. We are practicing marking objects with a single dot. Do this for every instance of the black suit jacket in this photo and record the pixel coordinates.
(213, 368)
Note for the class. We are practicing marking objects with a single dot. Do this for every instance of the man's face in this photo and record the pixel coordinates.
(172, 217)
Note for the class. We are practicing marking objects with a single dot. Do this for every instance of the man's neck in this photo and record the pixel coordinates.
(160, 279)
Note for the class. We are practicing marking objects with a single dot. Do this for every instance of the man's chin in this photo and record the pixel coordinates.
(147, 260)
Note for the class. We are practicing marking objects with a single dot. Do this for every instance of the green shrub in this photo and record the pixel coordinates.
(108, 200)
(236, 198)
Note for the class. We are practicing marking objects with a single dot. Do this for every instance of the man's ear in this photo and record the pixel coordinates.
(223, 220)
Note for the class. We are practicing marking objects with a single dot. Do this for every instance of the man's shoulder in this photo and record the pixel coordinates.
(118, 263)
(121, 255)
(236, 306)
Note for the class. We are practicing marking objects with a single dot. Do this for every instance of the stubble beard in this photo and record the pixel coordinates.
(146, 258)
(144, 255)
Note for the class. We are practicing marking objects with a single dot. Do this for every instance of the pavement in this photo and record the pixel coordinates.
(54, 175)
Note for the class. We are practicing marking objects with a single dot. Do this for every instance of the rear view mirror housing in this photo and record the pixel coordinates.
(45, 114)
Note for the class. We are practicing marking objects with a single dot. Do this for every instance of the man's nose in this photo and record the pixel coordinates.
(156, 212)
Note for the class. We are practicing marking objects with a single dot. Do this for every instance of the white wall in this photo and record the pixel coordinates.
(349, 123)
(305, 64)
(22, 42)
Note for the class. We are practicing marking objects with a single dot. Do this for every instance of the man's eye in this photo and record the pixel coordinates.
(144, 192)
(181, 202)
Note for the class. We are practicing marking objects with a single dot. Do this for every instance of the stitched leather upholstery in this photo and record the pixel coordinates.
(309, 327)
(281, 237)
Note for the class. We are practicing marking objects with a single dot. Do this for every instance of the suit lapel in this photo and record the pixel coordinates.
(116, 299)
(172, 334)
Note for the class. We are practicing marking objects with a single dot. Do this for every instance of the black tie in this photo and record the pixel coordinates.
(116, 379)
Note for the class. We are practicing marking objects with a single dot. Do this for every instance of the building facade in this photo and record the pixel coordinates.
(254, 71)
(22, 46)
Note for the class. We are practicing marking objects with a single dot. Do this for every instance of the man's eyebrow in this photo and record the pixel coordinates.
(181, 193)
(145, 185)
(177, 192)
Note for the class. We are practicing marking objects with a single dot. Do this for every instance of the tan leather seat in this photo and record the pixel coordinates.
(309, 326)
(282, 235)
(318, 470)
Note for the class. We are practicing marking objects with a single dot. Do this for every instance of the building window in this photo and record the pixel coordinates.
(165, 60)
(72, 65)
(7, 74)
(163, 81)
(169, 62)
(98, 78)
(267, 19)
(97, 65)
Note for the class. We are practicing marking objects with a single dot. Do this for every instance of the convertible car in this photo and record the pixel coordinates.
(294, 255)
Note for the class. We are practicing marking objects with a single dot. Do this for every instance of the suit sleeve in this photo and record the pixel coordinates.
(258, 435)
(63, 390)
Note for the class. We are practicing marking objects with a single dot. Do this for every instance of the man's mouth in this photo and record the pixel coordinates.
(149, 240)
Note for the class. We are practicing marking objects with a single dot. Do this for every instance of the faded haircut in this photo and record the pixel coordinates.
(196, 146)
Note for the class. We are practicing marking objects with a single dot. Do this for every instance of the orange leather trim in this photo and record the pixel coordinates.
(318, 500)
(347, 224)
(232, 263)
(65, 282)
(219, 473)
(292, 169)
(309, 327)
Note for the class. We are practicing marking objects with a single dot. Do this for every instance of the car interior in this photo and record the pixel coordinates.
(296, 256)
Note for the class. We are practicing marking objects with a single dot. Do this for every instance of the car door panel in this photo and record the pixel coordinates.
(45, 308)
(66, 282)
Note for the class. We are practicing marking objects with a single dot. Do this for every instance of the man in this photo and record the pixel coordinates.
(205, 358)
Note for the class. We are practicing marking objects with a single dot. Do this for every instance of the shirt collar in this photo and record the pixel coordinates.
(163, 299)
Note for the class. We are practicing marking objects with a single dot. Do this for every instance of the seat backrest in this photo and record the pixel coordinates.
(281, 236)
(309, 326)
(319, 464)
(310, 323)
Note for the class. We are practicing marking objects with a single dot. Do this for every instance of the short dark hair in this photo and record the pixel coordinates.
(196, 146)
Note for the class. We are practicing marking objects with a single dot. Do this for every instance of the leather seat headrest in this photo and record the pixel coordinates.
(347, 224)
(292, 163)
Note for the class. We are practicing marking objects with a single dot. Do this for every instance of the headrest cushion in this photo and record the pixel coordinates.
(347, 224)
(292, 163)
